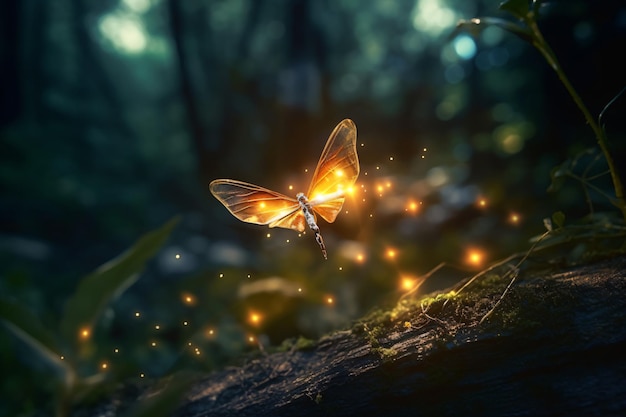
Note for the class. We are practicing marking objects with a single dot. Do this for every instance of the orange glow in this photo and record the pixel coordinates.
(360, 258)
(514, 218)
(188, 298)
(412, 206)
(407, 283)
(104, 365)
(475, 257)
(85, 333)
(254, 318)
(410, 283)
(481, 202)
(391, 253)
(330, 300)
(262, 204)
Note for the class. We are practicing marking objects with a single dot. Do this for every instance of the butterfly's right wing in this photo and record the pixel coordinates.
(253, 204)
(337, 169)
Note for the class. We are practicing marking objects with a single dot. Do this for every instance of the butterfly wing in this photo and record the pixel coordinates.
(338, 168)
(253, 204)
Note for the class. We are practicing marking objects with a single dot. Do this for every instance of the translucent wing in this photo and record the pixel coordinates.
(253, 204)
(295, 221)
(338, 168)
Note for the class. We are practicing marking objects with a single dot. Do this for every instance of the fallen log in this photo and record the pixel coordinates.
(554, 346)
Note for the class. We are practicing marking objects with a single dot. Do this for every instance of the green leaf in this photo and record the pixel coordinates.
(518, 8)
(165, 401)
(27, 327)
(558, 175)
(559, 219)
(97, 289)
(475, 24)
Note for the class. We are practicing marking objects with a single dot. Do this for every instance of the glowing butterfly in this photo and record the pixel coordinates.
(336, 172)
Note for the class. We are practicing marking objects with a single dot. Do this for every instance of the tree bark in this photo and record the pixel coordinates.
(555, 346)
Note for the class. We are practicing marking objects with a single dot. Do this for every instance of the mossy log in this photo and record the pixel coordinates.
(555, 346)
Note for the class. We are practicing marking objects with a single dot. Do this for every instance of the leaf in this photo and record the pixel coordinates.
(27, 327)
(558, 218)
(165, 401)
(97, 289)
(518, 8)
(478, 23)
(558, 175)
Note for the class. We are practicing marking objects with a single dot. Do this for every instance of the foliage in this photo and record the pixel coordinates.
(528, 12)
(67, 350)
(588, 238)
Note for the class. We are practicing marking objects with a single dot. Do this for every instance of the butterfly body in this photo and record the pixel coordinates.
(307, 211)
(336, 172)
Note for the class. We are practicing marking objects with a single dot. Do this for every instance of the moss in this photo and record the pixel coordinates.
(374, 334)
(385, 354)
(530, 304)
(299, 344)
(304, 344)
(429, 299)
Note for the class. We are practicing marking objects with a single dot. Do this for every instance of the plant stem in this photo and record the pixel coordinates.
(540, 43)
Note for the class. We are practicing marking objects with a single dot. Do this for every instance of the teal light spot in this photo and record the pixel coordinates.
(464, 46)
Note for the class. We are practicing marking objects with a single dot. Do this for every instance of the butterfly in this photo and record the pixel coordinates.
(335, 174)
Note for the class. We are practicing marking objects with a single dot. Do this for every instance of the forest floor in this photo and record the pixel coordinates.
(554, 346)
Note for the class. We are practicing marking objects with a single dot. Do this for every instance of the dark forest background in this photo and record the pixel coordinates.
(115, 116)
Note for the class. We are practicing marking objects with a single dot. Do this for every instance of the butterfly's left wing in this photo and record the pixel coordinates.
(253, 204)
(337, 169)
